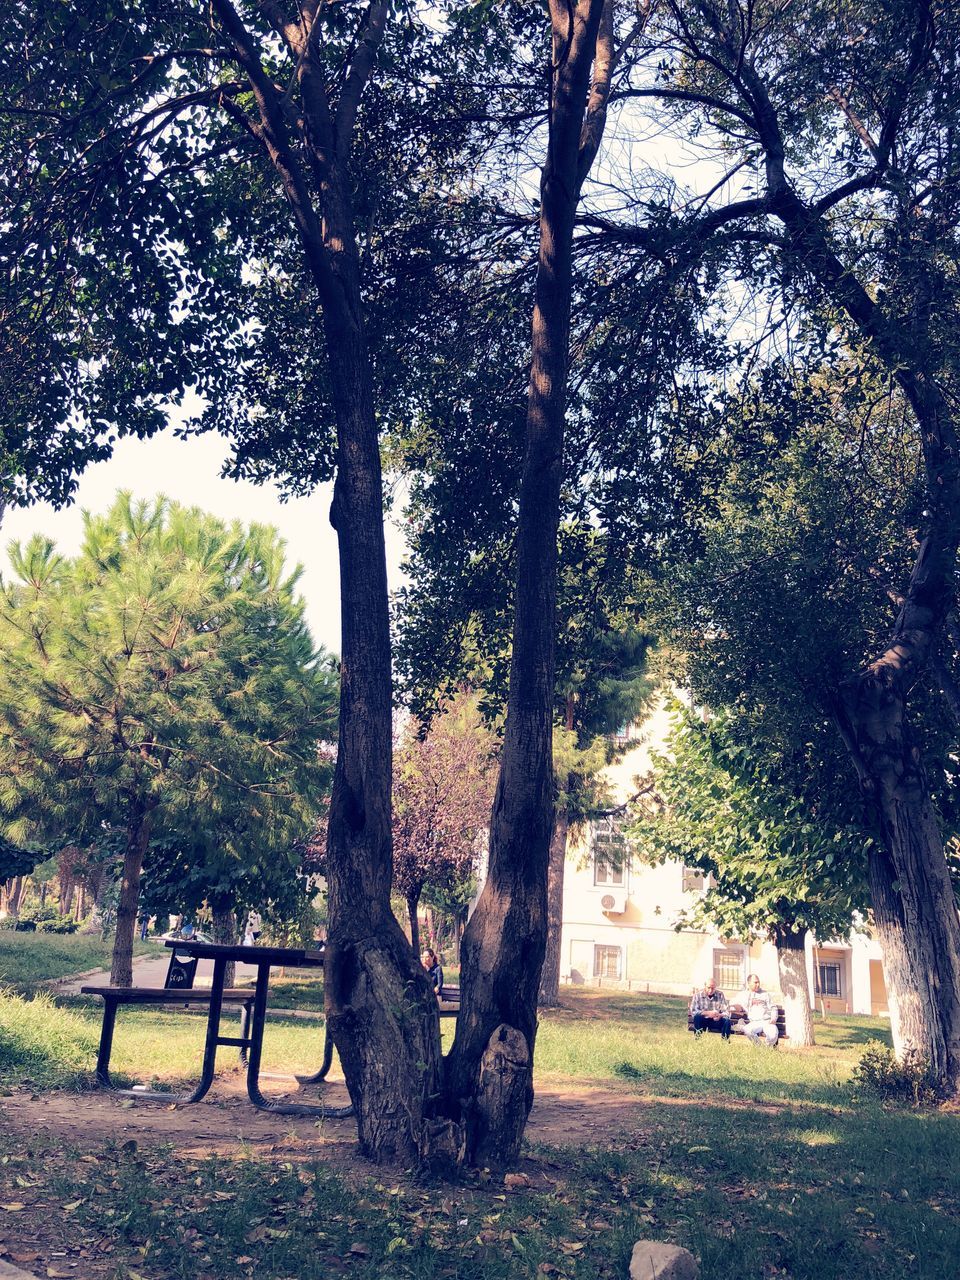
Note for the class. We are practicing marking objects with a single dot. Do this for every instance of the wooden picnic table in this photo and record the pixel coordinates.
(250, 1041)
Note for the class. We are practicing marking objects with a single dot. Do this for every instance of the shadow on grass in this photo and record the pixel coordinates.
(703, 1086)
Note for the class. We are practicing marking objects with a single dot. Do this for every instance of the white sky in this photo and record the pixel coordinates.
(188, 471)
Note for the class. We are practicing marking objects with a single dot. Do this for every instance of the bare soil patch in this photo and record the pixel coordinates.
(225, 1124)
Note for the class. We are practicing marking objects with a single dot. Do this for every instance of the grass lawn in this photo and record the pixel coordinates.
(28, 959)
(759, 1162)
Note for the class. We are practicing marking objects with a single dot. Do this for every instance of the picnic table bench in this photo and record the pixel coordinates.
(253, 1004)
(738, 1020)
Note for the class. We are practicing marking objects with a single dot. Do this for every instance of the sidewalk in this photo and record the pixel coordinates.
(149, 971)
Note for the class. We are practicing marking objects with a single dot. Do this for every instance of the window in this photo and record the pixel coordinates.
(611, 850)
(606, 962)
(828, 978)
(728, 969)
(692, 880)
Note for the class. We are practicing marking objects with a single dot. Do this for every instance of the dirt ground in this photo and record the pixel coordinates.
(225, 1123)
(41, 1241)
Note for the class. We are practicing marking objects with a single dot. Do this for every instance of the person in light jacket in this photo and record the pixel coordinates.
(761, 1015)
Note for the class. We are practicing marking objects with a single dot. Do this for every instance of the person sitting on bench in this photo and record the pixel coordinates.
(709, 1009)
(761, 1014)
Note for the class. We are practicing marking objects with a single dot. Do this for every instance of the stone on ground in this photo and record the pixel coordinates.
(654, 1260)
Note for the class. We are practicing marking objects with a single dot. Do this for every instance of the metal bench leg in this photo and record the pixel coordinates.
(253, 1065)
(325, 1065)
(245, 1016)
(209, 1049)
(106, 1043)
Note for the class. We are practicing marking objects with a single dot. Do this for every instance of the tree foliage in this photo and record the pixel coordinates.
(784, 852)
(443, 788)
(163, 685)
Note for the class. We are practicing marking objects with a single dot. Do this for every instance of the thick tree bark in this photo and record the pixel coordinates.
(67, 888)
(914, 909)
(16, 896)
(138, 838)
(380, 1009)
(490, 1067)
(792, 968)
(550, 977)
(872, 715)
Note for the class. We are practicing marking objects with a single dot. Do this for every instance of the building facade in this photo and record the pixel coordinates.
(621, 918)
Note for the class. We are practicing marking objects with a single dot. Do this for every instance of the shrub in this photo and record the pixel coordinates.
(49, 920)
(881, 1075)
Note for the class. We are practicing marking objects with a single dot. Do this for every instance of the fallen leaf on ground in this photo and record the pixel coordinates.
(514, 1180)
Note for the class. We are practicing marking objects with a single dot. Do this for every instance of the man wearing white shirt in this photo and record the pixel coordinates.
(761, 1016)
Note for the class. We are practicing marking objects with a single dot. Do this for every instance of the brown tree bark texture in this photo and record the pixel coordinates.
(138, 838)
(490, 1067)
(225, 933)
(922, 931)
(380, 1009)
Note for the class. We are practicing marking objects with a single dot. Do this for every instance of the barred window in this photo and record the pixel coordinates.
(728, 969)
(606, 961)
(828, 979)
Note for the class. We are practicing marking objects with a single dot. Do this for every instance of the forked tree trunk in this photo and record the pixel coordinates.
(490, 1067)
(550, 977)
(138, 838)
(792, 968)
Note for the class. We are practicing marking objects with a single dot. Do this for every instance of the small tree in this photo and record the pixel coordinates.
(784, 858)
(162, 682)
(442, 792)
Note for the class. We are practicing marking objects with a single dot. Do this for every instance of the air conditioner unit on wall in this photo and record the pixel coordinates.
(614, 904)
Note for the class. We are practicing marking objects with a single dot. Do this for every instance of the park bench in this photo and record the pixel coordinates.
(449, 1001)
(178, 988)
(738, 1020)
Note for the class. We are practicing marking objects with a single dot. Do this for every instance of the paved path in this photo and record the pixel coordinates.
(151, 971)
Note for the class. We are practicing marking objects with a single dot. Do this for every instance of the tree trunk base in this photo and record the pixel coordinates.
(503, 1099)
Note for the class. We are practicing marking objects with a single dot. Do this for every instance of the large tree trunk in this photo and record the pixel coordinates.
(792, 968)
(873, 707)
(915, 914)
(67, 888)
(138, 838)
(380, 1008)
(490, 1067)
(550, 977)
(16, 896)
